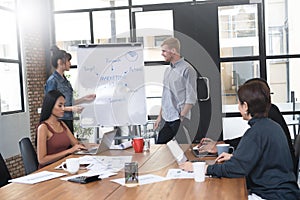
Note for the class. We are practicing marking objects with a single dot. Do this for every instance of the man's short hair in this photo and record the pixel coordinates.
(172, 43)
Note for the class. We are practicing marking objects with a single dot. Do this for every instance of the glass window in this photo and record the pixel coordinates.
(10, 96)
(71, 30)
(10, 75)
(8, 39)
(111, 26)
(85, 4)
(154, 27)
(233, 75)
(238, 30)
(144, 2)
(283, 77)
(283, 80)
(282, 28)
(153, 86)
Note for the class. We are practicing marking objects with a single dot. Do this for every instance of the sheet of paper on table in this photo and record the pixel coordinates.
(144, 179)
(103, 163)
(37, 177)
(178, 174)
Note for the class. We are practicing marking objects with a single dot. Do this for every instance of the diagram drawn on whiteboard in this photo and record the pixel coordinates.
(115, 72)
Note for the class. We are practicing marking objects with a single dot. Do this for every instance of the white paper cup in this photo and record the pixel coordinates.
(199, 171)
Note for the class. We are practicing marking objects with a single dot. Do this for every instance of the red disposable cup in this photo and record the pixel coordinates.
(138, 144)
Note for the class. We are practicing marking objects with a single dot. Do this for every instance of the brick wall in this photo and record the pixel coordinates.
(15, 166)
(36, 76)
(34, 47)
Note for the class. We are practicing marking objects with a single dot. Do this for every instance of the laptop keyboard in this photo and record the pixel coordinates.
(93, 150)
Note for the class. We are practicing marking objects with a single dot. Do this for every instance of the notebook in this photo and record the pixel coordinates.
(104, 145)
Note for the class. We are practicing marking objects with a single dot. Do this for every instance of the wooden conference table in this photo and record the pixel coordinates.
(157, 161)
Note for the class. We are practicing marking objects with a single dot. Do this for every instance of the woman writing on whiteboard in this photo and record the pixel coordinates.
(61, 61)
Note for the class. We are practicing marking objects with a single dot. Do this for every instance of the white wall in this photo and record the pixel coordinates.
(12, 128)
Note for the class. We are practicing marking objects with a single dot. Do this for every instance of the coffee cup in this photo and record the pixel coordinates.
(71, 165)
(138, 144)
(224, 148)
(199, 171)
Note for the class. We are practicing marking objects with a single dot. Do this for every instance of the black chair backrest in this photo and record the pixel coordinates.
(28, 155)
(4, 173)
(297, 151)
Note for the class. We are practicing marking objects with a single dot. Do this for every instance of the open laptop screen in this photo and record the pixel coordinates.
(104, 145)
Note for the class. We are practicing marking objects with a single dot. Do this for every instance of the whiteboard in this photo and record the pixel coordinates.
(115, 73)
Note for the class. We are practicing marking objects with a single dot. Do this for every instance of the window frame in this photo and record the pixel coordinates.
(261, 58)
(20, 67)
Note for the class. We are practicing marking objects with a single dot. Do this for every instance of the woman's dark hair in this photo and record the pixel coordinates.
(256, 94)
(58, 54)
(48, 104)
(257, 79)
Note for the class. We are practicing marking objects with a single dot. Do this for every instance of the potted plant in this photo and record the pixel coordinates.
(81, 133)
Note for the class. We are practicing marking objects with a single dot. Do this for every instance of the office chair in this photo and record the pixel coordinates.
(297, 152)
(28, 155)
(4, 173)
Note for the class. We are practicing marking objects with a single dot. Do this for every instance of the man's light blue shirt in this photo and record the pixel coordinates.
(180, 83)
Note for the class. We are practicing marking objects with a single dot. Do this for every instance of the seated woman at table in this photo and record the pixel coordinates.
(262, 155)
(53, 136)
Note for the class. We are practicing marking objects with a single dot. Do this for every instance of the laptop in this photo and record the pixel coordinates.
(104, 145)
(200, 154)
(177, 151)
(180, 156)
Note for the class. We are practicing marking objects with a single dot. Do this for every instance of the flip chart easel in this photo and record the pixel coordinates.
(115, 72)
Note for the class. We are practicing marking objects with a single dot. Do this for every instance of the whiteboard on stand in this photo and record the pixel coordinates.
(115, 73)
